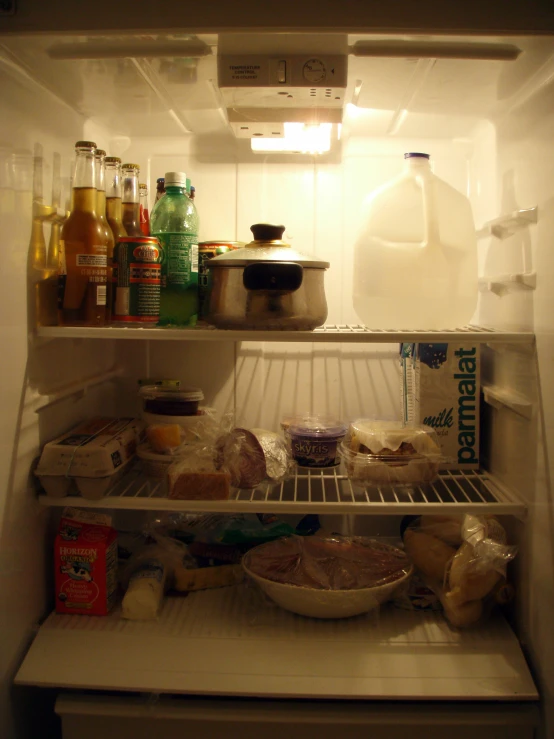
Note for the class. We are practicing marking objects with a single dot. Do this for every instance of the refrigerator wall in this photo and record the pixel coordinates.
(501, 164)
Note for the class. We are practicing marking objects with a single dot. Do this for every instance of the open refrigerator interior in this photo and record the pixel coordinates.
(486, 120)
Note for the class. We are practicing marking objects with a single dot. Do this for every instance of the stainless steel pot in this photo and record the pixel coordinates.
(267, 285)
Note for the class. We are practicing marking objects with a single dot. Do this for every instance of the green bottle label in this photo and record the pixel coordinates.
(179, 279)
(179, 258)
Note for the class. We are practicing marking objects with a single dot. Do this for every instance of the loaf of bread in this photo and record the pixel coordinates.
(445, 528)
(468, 581)
(195, 478)
(430, 555)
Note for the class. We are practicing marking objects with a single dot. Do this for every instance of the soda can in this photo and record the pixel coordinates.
(206, 251)
(137, 261)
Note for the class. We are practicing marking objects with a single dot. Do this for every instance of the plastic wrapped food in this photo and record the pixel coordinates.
(241, 529)
(467, 578)
(195, 476)
(252, 456)
(330, 563)
(388, 452)
(332, 577)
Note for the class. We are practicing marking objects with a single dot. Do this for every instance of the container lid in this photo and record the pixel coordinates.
(112, 160)
(410, 154)
(318, 427)
(85, 145)
(266, 247)
(222, 242)
(368, 436)
(99, 153)
(160, 180)
(155, 392)
(175, 178)
(130, 165)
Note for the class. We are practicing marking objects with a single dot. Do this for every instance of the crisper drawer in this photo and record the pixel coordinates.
(90, 717)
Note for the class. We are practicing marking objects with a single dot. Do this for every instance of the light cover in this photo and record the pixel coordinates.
(299, 137)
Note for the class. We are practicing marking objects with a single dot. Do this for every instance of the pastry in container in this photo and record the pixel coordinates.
(314, 441)
(390, 453)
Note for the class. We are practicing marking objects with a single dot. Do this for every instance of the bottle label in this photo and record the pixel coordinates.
(179, 258)
(80, 267)
(91, 260)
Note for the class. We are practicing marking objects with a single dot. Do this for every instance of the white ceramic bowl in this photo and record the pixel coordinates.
(326, 603)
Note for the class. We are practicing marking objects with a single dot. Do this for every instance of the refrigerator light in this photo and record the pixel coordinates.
(299, 137)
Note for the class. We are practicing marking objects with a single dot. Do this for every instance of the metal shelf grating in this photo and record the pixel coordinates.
(324, 491)
(347, 332)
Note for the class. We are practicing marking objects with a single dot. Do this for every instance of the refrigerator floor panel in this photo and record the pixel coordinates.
(230, 642)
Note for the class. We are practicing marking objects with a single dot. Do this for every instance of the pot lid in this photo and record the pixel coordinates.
(266, 247)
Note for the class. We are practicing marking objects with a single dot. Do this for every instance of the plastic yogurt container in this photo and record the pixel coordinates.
(315, 441)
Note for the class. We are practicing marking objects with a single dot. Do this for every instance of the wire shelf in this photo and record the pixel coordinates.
(323, 491)
(342, 333)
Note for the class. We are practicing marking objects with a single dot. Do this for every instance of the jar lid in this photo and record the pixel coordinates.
(112, 160)
(155, 392)
(130, 165)
(318, 427)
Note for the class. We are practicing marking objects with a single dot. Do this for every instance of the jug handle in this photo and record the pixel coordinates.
(432, 231)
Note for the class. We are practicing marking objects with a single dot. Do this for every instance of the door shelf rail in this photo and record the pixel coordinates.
(321, 491)
(340, 333)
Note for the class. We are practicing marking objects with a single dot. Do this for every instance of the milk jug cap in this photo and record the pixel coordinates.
(410, 154)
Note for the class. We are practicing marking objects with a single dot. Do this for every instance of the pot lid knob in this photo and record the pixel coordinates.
(267, 232)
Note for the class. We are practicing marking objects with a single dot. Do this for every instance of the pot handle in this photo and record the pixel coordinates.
(273, 276)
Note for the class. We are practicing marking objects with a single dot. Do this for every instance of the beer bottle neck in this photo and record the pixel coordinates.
(85, 170)
(113, 182)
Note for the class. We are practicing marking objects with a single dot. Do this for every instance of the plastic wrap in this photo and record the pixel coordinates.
(194, 566)
(327, 577)
(463, 559)
(390, 453)
(195, 476)
(253, 456)
(239, 529)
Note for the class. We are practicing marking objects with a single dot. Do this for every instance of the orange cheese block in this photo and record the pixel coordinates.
(163, 437)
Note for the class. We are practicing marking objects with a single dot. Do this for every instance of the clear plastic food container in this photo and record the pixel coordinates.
(315, 441)
(167, 401)
(390, 453)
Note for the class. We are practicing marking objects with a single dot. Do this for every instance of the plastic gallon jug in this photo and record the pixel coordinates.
(415, 262)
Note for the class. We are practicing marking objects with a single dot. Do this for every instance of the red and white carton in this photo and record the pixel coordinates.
(85, 556)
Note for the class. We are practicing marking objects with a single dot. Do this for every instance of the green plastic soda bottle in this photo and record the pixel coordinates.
(174, 221)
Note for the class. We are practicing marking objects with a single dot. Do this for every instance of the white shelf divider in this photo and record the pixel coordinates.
(342, 333)
(509, 224)
(503, 284)
(499, 397)
(329, 491)
(229, 641)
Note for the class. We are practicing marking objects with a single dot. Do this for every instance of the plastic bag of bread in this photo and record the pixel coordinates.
(195, 565)
(463, 559)
(195, 476)
(253, 456)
